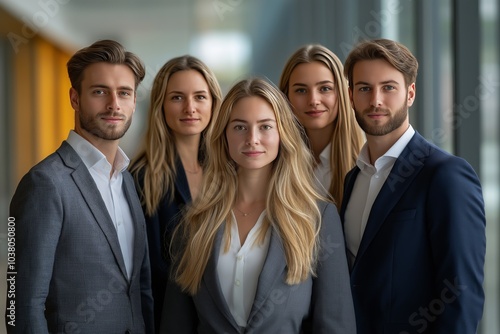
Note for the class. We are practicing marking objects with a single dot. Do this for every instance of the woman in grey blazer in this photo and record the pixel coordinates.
(259, 250)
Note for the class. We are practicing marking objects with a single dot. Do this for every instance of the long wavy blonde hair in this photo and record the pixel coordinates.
(156, 160)
(291, 205)
(347, 138)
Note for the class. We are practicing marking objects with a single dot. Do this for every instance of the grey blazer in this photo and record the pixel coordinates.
(318, 305)
(71, 276)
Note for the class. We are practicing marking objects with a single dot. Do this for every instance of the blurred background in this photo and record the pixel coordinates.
(455, 41)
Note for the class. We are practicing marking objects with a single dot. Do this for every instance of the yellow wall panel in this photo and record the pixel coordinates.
(65, 113)
(45, 99)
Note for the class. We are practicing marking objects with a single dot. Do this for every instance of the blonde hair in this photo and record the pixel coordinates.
(347, 138)
(156, 160)
(291, 205)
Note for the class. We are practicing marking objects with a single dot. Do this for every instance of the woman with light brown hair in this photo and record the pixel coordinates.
(258, 250)
(314, 82)
(169, 169)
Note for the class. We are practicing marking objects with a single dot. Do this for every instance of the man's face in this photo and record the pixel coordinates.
(380, 98)
(106, 103)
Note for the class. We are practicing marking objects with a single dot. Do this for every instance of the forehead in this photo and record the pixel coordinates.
(375, 72)
(252, 108)
(310, 73)
(105, 74)
(187, 80)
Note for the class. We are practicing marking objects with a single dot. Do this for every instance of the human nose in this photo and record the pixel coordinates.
(113, 103)
(314, 99)
(189, 107)
(376, 99)
(252, 137)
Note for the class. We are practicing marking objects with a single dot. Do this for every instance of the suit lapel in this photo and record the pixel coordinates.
(211, 279)
(402, 174)
(91, 195)
(181, 183)
(271, 272)
(348, 186)
(137, 219)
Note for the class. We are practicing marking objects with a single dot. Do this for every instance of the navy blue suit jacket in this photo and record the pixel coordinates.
(158, 227)
(419, 268)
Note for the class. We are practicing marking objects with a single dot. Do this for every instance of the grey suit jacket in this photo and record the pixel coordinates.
(318, 305)
(71, 276)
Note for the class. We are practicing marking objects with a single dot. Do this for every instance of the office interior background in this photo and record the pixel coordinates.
(455, 41)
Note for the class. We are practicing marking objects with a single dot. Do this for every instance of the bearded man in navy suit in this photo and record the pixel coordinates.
(413, 214)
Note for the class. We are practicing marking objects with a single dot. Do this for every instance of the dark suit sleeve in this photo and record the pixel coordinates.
(457, 231)
(37, 209)
(332, 305)
(179, 313)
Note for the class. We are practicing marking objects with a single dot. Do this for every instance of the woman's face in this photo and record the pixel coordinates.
(252, 134)
(188, 103)
(313, 95)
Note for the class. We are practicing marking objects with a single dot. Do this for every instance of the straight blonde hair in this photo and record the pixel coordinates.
(292, 200)
(347, 137)
(155, 162)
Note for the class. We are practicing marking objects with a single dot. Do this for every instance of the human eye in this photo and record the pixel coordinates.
(98, 92)
(300, 90)
(201, 97)
(326, 89)
(176, 98)
(266, 127)
(364, 89)
(125, 93)
(239, 127)
(389, 87)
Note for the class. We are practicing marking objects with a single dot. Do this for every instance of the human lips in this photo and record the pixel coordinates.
(189, 120)
(252, 153)
(112, 118)
(315, 113)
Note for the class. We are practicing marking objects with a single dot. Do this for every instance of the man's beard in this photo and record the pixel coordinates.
(107, 132)
(394, 122)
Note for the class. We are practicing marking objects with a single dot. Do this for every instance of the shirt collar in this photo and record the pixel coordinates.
(391, 154)
(91, 156)
(324, 156)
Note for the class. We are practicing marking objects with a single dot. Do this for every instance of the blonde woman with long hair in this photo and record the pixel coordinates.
(169, 169)
(259, 250)
(314, 82)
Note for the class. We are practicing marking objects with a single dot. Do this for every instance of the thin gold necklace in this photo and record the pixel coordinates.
(243, 213)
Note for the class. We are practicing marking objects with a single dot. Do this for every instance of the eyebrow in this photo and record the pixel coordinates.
(259, 121)
(182, 93)
(317, 83)
(107, 87)
(383, 83)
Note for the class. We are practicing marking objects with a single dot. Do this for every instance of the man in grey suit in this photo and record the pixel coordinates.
(81, 251)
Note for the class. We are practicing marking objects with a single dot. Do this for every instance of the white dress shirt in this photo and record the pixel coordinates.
(323, 172)
(111, 191)
(367, 185)
(239, 269)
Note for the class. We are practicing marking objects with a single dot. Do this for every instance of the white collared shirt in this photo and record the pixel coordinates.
(111, 191)
(239, 269)
(368, 183)
(323, 172)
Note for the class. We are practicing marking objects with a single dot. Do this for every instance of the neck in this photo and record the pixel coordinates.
(187, 149)
(319, 139)
(252, 186)
(379, 145)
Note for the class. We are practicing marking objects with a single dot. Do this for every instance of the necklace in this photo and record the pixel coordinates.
(193, 172)
(243, 213)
